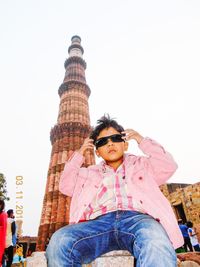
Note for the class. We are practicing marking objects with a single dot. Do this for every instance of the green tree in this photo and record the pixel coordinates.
(3, 190)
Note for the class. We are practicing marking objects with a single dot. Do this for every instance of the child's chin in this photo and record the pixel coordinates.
(114, 157)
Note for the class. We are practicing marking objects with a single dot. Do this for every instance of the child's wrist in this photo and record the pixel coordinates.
(81, 151)
(139, 138)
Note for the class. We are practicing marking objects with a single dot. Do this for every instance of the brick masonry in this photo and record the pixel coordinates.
(185, 199)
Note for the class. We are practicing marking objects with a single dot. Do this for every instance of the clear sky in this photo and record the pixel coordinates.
(143, 67)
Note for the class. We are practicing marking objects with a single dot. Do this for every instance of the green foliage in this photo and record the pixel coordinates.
(3, 190)
(180, 250)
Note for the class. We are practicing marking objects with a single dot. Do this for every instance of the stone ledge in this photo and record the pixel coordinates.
(117, 259)
(113, 258)
(37, 259)
(189, 256)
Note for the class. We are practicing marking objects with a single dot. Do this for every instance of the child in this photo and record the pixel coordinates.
(18, 259)
(184, 230)
(117, 204)
(193, 236)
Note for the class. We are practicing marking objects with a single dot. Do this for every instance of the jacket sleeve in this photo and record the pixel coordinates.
(70, 173)
(159, 161)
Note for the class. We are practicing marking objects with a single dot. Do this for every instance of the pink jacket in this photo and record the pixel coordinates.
(143, 176)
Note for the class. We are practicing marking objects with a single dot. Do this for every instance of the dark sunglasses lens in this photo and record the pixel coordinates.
(101, 142)
(116, 138)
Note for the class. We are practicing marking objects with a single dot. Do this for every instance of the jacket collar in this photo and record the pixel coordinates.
(129, 160)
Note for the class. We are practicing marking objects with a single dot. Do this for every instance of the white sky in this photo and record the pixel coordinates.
(143, 61)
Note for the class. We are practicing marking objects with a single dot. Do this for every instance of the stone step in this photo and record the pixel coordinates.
(115, 259)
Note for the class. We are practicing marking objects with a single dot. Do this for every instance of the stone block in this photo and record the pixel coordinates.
(37, 259)
(114, 258)
(189, 264)
(190, 257)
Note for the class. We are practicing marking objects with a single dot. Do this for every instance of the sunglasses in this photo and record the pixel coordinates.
(115, 138)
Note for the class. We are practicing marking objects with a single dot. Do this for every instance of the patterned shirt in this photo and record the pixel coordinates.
(112, 194)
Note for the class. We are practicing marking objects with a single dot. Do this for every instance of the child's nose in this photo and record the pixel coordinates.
(110, 142)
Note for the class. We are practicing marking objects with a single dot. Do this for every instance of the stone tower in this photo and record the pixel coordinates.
(73, 126)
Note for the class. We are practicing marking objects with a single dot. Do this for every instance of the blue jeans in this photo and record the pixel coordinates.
(140, 234)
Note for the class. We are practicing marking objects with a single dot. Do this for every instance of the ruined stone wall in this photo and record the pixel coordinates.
(189, 197)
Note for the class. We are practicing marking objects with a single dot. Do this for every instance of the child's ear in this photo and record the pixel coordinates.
(126, 146)
(97, 153)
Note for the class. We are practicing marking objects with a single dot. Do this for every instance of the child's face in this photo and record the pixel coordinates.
(112, 151)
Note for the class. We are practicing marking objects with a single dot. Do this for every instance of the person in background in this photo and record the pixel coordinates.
(193, 236)
(14, 236)
(11, 228)
(3, 225)
(184, 231)
(117, 204)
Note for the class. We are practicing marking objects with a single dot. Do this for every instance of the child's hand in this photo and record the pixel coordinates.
(131, 134)
(88, 144)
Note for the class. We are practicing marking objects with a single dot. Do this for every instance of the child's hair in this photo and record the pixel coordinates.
(9, 212)
(104, 123)
(189, 224)
(180, 221)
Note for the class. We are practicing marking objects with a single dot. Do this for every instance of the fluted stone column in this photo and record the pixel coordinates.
(73, 126)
